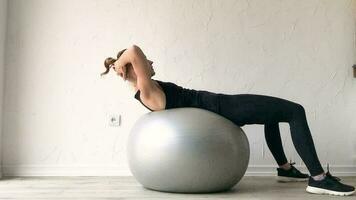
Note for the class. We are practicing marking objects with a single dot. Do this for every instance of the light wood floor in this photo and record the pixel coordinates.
(90, 188)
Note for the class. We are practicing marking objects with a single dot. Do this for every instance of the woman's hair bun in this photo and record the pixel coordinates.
(109, 61)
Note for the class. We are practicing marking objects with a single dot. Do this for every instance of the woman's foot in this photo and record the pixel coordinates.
(290, 175)
(329, 185)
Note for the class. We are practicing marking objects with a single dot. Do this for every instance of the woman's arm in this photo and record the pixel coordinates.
(134, 55)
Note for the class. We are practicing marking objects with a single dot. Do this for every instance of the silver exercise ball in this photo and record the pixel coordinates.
(187, 150)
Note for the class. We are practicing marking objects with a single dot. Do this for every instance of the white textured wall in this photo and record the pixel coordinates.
(3, 15)
(57, 107)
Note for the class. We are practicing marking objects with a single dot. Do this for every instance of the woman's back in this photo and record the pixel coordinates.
(177, 97)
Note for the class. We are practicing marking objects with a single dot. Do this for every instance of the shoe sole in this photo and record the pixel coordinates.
(315, 190)
(290, 179)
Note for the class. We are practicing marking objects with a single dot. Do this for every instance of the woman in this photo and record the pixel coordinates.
(133, 66)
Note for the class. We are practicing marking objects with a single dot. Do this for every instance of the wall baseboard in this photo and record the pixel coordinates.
(119, 170)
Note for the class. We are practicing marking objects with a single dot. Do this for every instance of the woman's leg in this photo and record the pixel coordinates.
(245, 109)
(274, 142)
(303, 141)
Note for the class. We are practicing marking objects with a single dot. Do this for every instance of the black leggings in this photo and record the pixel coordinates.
(267, 110)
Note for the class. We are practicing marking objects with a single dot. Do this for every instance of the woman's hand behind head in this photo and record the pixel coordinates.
(126, 72)
(109, 62)
(131, 65)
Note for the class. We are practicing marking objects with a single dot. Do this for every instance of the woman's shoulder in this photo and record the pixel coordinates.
(163, 83)
(159, 84)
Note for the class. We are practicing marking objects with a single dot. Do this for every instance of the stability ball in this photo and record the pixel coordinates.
(187, 150)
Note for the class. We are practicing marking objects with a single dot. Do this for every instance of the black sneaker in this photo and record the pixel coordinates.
(329, 185)
(291, 175)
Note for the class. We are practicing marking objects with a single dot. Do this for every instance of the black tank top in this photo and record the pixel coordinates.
(178, 97)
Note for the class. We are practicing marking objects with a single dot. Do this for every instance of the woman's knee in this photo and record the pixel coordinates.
(298, 109)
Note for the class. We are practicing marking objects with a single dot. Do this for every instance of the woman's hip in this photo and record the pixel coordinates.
(255, 109)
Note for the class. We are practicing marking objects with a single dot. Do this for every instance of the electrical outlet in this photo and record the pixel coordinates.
(114, 120)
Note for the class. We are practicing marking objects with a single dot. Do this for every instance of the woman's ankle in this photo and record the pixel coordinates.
(319, 177)
(286, 166)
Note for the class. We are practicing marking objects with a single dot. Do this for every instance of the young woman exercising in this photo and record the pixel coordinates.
(132, 65)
